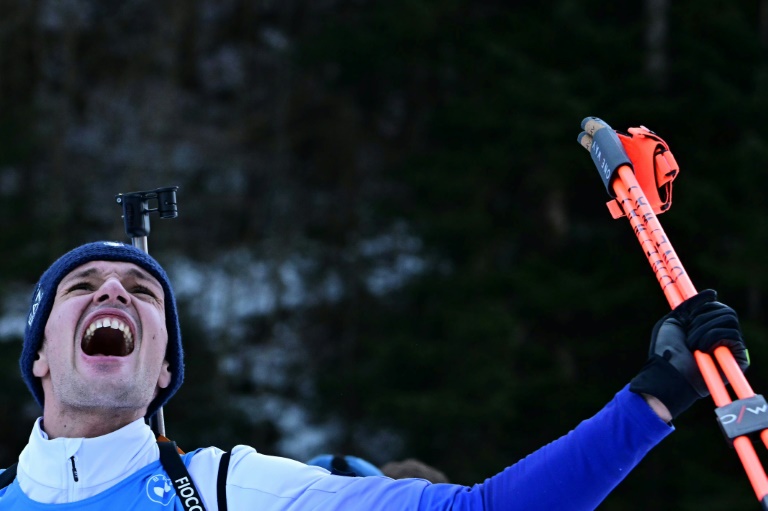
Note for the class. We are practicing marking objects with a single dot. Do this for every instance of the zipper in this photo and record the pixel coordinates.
(74, 469)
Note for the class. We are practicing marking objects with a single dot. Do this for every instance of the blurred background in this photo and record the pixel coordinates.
(389, 243)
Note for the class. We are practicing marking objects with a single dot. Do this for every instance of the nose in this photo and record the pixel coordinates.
(112, 290)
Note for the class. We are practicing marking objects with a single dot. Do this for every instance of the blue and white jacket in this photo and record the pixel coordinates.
(121, 470)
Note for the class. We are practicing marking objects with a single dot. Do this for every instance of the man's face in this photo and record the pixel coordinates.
(105, 340)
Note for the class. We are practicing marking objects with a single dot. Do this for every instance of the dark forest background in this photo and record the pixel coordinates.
(389, 243)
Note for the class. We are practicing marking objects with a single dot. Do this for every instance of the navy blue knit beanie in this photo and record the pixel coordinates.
(45, 292)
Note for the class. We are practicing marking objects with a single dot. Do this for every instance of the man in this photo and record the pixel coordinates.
(102, 352)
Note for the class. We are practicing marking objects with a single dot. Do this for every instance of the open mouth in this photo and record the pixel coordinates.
(107, 337)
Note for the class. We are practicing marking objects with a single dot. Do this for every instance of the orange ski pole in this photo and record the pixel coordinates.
(615, 168)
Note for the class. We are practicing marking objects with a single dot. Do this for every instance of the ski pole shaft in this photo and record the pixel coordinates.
(736, 377)
(664, 252)
(673, 278)
(712, 378)
(649, 238)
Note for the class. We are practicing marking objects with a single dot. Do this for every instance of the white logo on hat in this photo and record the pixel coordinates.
(113, 244)
(35, 305)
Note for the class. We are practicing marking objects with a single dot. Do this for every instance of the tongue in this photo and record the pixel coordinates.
(108, 342)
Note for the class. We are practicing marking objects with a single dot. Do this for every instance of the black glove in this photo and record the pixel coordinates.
(671, 373)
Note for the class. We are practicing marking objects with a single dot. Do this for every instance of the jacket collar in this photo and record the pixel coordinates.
(46, 473)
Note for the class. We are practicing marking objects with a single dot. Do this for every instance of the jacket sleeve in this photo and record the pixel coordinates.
(578, 470)
(575, 472)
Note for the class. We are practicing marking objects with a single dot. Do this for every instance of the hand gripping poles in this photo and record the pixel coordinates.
(136, 217)
(635, 183)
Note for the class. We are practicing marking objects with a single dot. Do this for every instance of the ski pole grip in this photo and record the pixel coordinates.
(605, 148)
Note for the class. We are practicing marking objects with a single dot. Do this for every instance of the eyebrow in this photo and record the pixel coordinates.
(79, 275)
(139, 274)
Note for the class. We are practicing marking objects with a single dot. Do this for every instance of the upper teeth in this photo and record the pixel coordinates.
(109, 323)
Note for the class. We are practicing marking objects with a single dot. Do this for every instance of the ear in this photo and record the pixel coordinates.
(40, 365)
(165, 376)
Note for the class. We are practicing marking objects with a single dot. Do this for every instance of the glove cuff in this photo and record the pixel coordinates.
(661, 380)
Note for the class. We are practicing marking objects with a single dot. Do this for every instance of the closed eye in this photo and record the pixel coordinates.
(139, 289)
(80, 286)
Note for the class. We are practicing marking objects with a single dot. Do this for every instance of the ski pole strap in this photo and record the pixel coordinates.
(186, 490)
(654, 165)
